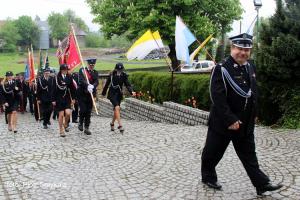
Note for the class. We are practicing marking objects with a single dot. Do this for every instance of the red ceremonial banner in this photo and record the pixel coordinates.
(31, 66)
(72, 56)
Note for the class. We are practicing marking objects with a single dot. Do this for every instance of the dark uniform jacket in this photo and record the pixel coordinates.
(64, 89)
(10, 93)
(75, 77)
(45, 89)
(115, 84)
(227, 106)
(24, 87)
(83, 93)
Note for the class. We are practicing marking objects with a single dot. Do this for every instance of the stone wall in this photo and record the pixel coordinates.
(169, 112)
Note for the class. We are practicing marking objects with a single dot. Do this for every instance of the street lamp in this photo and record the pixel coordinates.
(258, 5)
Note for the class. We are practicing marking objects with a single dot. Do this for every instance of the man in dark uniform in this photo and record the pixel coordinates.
(24, 88)
(85, 88)
(30, 97)
(45, 86)
(75, 77)
(232, 116)
(55, 113)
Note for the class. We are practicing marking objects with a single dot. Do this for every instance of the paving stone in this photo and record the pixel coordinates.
(149, 161)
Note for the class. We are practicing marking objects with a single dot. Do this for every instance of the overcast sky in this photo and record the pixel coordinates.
(42, 8)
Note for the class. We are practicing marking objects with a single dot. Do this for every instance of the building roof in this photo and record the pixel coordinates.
(43, 25)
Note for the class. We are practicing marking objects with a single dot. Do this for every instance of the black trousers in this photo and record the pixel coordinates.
(75, 112)
(23, 103)
(215, 147)
(30, 98)
(85, 110)
(47, 110)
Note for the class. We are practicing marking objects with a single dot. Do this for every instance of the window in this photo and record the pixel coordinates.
(205, 65)
(198, 66)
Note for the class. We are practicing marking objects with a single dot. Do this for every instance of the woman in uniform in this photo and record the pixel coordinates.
(114, 86)
(63, 96)
(10, 97)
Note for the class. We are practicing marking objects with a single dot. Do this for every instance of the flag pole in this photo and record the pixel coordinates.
(200, 44)
(45, 60)
(169, 65)
(207, 52)
(84, 71)
(166, 55)
(37, 105)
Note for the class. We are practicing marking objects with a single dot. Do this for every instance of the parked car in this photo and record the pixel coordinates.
(199, 66)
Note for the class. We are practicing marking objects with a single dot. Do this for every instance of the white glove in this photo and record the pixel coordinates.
(90, 88)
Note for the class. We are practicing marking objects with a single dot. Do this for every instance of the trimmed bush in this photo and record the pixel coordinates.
(186, 87)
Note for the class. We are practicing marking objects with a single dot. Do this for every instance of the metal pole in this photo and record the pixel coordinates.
(257, 26)
(172, 80)
(240, 26)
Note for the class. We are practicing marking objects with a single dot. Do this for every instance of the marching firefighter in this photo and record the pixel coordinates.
(10, 98)
(87, 85)
(45, 87)
(114, 85)
(63, 98)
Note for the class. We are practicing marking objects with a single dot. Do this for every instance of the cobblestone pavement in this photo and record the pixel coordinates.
(149, 161)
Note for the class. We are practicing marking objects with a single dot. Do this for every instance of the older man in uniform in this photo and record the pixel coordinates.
(232, 116)
(85, 88)
(45, 87)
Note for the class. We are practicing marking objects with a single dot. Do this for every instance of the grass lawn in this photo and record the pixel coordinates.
(16, 62)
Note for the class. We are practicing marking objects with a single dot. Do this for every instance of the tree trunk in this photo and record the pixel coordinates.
(172, 55)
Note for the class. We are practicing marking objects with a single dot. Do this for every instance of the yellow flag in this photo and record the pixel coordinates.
(192, 56)
(144, 45)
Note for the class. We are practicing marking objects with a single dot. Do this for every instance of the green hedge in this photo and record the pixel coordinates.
(157, 86)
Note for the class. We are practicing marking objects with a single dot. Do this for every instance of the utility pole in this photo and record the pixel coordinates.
(258, 5)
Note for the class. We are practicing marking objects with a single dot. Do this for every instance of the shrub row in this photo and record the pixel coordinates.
(187, 89)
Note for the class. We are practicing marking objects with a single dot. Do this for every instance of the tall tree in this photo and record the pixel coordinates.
(28, 30)
(10, 36)
(59, 25)
(278, 62)
(134, 17)
(72, 18)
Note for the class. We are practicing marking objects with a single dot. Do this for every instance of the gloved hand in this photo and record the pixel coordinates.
(90, 88)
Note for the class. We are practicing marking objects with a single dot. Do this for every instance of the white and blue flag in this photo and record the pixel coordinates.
(183, 39)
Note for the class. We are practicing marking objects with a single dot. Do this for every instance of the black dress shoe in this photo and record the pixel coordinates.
(45, 127)
(214, 185)
(87, 131)
(80, 127)
(75, 121)
(49, 123)
(268, 187)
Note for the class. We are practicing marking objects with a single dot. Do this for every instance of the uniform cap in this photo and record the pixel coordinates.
(243, 40)
(9, 73)
(119, 66)
(63, 67)
(91, 60)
